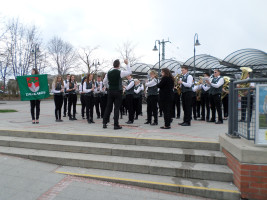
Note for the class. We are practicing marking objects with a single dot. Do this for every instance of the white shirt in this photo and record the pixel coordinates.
(100, 85)
(80, 88)
(152, 83)
(54, 88)
(84, 88)
(67, 86)
(219, 83)
(130, 85)
(123, 74)
(189, 81)
(205, 88)
(195, 88)
(136, 91)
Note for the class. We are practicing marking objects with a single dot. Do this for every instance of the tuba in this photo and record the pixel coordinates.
(225, 86)
(244, 76)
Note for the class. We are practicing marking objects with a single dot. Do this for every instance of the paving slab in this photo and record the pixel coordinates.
(21, 120)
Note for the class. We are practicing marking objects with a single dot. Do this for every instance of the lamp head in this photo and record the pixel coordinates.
(155, 48)
(197, 43)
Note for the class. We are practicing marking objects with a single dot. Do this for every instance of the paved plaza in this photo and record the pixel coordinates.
(21, 120)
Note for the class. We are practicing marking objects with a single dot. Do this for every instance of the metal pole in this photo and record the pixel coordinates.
(159, 58)
(35, 56)
(230, 108)
(195, 57)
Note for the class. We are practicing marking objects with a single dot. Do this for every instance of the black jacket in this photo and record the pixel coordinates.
(166, 88)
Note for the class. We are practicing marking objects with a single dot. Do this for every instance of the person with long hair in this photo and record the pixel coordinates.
(88, 89)
(35, 104)
(58, 90)
(66, 94)
(152, 98)
(72, 99)
(166, 95)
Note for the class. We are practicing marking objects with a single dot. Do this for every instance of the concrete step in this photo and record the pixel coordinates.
(215, 146)
(126, 164)
(203, 188)
(158, 153)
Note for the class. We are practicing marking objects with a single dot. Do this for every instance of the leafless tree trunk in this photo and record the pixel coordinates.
(127, 51)
(62, 54)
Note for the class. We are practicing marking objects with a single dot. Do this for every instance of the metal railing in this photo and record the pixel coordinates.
(242, 112)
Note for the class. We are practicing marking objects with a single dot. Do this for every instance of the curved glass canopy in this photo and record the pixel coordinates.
(172, 65)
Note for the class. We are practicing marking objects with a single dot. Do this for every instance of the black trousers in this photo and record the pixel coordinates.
(129, 101)
(98, 105)
(72, 101)
(152, 108)
(194, 106)
(89, 99)
(114, 97)
(166, 108)
(140, 104)
(212, 107)
(244, 104)
(58, 99)
(136, 106)
(83, 102)
(66, 96)
(104, 100)
(225, 101)
(198, 108)
(176, 103)
(205, 106)
(35, 104)
(216, 104)
(187, 106)
(160, 106)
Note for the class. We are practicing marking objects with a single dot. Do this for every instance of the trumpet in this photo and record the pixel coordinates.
(225, 86)
(244, 75)
(177, 86)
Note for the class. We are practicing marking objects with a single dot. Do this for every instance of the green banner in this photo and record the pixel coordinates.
(33, 87)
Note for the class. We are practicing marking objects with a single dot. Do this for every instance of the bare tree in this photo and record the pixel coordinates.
(85, 55)
(63, 55)
(5, 68)
(20, 42)
(127, 51)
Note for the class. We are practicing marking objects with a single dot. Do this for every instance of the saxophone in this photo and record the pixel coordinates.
(225, 86)
(244, 75)
(177, 86)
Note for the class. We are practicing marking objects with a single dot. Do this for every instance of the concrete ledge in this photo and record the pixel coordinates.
(243, 150)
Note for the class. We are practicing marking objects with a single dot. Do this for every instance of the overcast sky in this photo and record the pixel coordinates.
(223, 26)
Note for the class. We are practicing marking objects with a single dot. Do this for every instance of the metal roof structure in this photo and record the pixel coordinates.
(172, 65)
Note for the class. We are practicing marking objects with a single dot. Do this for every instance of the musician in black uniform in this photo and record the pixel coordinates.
(216, 91)
(176, 103)
(88, 89)
(114, 81)
(129, 91)
(58, 90)
(205, 102)
(152, 98)
(66, 94)
(82, 97)
(136, 98)
(186, 85)
(97, 96)
(71, 88)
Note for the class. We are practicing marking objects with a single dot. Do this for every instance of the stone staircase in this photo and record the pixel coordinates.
(195, 168)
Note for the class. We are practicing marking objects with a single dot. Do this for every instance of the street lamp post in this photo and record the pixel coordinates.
(96, 63)
(34, 51)
(196, 43)
(156, 49)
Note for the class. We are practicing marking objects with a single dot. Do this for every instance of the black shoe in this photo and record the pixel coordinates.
(202, 119)
(147, 122)
(242, 120)
(171, 120)
(129, 122)
(104, 125)
(33, 122)
(195, 118)
(178, 117)
(165, 127)
(219, 122)
(181, 123)
(98, 117)
(154, 124)
(160, 115)
(207, 120)
(186, 124)
(64, 115)
(117, 127)
(56, 120)
(92, 121)
(136, 118)
(89, 121)
(60, 120)
(74, 118)
(83, 117)
(212, 120)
